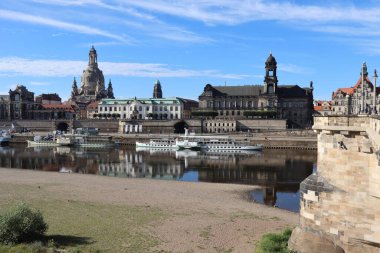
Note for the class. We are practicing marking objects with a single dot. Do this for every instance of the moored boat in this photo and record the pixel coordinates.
(88, 141)
(51, 141)
(5, 137)
(188, 144)
(159, 144)
(224, 143)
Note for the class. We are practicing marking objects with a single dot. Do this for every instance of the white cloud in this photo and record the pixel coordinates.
(83, 29)
(292, 68)
(150, 24)
(35, 83)
(231, 13)
(56, 68)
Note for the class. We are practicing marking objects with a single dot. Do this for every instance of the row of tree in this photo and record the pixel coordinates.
(106, 115)
(253, 113)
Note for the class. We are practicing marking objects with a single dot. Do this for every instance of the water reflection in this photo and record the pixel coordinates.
(279, 172)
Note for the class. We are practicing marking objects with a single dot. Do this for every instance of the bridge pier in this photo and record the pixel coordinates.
(340, 203)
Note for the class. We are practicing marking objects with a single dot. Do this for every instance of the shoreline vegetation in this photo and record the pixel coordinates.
(91, 213)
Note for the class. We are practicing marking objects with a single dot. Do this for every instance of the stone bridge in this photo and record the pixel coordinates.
(340, 203)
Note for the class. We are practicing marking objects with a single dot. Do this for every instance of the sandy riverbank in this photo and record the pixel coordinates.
(194, 217)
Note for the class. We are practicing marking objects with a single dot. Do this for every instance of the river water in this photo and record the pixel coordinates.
(277, 172)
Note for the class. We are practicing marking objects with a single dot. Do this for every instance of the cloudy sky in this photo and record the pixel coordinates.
(186, 44)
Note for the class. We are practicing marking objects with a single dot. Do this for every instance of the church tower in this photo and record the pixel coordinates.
(92, 58)
(270, 81)
(74, 89)
(110, 90)
(157, 92)
(92, 81)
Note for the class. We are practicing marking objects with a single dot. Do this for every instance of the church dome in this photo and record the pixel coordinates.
(271, 59)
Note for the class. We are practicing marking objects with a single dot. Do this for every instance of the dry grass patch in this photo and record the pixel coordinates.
(90, 226)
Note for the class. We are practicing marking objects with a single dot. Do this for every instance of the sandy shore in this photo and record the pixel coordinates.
(203, 217)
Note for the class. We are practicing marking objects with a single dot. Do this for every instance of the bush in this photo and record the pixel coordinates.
(260, 113)
(21, 224)
(204, 113)
(274, 243)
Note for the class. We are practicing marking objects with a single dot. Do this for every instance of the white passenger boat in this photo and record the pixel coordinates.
(64, 141)
(188, 144)
(159, 144)
(93, 141)
(224, 143)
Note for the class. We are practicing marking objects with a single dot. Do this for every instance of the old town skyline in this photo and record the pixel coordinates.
(139, 43)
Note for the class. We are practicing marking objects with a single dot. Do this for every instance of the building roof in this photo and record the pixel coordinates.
(64, 107)
(271, 59)
(351, 90)
(93, 105)
(49, 96)
(322, 108)
(292, 91)
(186, 100)
(156, 101)
(323, 102)
(241, 90)
(318, 108)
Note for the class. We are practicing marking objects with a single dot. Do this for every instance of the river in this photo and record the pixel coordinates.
(277, 172)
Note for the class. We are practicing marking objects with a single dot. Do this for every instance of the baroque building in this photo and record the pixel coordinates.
(290, 102)
(18, 104)
(362, 98)
(92, 87)
(156, 108)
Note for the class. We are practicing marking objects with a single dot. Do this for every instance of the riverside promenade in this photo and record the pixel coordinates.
(287, 139)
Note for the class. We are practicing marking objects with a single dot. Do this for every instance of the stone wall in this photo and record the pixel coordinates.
(260, 124)
(105, 126)
(340, 205)
(162, 126)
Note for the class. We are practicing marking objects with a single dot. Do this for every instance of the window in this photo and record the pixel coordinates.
(105, 109)
(140, 108)
(100, 109)
(110, 109)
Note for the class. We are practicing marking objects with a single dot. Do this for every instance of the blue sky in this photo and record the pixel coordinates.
(186, 44)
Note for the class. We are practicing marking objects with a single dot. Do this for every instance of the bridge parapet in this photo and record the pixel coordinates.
(340, 203)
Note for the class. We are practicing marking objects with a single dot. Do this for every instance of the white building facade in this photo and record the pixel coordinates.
(141, 108)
